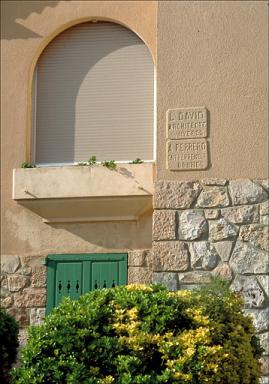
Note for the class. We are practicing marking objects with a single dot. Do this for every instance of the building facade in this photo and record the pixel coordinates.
(181, 85)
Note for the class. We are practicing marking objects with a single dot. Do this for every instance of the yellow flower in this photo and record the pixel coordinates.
(107, 380)
(184, 376)
(132, 313)
(183, 293)
(139, 287)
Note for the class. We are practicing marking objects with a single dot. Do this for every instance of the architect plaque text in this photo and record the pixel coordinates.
(185, 123)
(187, 154)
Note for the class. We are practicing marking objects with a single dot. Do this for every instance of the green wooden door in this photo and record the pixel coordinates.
(73, 275)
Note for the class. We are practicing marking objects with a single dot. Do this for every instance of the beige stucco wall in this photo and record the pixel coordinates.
(27, 27)
(215, 54)
(209, 53)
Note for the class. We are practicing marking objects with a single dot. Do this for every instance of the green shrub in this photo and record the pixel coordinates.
(144, 334)
(9, 330)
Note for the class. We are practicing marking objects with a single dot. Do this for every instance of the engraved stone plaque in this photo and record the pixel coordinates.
(185, 123)
(187, 154)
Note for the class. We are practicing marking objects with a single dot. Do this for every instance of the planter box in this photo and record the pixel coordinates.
(81, 194)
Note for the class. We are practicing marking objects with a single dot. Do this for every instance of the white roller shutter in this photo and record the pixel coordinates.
(94, 96)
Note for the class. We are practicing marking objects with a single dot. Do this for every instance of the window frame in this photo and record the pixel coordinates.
(59, 164)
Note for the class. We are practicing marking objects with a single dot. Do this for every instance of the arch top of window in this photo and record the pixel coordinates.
(93, 95)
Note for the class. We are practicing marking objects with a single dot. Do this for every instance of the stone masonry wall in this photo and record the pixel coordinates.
(215, 227)
(23, 289)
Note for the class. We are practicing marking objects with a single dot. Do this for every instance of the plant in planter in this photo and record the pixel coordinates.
(137, 161)
(144, 334)
(110, 164)
(28, 165)
(91, 161)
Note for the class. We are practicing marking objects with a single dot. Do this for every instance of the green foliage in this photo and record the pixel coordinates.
(110, 164)
(92, 160)
(9, 330)
(28, 165)
(137, 161)
(144, 335)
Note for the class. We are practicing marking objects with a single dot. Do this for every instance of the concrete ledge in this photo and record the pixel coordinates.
(84, 194)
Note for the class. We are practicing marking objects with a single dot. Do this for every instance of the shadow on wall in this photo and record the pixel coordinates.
(13, 10)
(113, 235)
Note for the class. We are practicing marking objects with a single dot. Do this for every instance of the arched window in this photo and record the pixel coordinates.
(94, 95)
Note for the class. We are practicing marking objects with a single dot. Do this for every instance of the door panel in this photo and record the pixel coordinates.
(68, 281)
(104, 275)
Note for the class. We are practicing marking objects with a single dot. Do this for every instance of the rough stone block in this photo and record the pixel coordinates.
(264, 220)
(264, 282)
(170, 256)
(25, 271)
(17, 282)
(264, 208)
(139, 258)
(264, 365)
(213, 197)
(221, 230)
(264, 340)
(203, 255)
(224, 249)
(192, 225)
(256, 234)
(260, 318)
(37, 316)
(240, 215)
(21, 315)
(197, 277)
(264, 183)
(250, 290)
(9, 263)
(30, 298)
(167, 279)
(32, 261)
(212, 214)
(139, 275)
(247, 259)
(175, 194)
(188, 287)
(164, 225)
(4, 292)
(246, 192)
(23, 337)
(39, 277)
(214, 181)
(7, 302)
(4, 282)
(224, 271)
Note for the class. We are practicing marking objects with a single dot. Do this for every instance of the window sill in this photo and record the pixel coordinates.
(85, 194)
